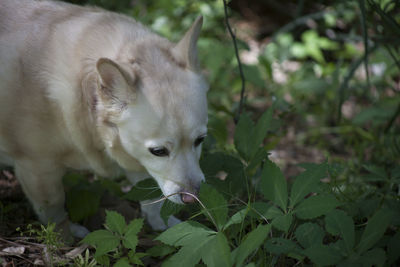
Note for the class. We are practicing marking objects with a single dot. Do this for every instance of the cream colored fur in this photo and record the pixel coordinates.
(83, 88)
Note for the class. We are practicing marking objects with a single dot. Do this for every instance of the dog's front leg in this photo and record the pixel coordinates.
(151, 211)
(41, 181)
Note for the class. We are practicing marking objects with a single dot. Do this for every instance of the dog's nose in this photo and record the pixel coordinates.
(186, 198)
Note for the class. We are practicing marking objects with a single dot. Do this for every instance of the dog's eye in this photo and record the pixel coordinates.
(198, 141)
(159, 151)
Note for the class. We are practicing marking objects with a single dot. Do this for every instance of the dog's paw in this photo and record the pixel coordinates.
(78, 231)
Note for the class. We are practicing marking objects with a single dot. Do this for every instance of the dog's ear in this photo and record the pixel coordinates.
(186, 49)
(115, 82)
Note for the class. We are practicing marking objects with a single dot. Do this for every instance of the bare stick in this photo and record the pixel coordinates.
(239, 63)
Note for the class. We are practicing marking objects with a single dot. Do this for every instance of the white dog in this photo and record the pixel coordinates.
(86, 89)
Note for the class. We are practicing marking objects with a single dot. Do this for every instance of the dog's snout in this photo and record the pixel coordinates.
(191, 196)
(186, 198)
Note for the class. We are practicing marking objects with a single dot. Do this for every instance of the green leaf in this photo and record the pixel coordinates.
(215, 204)
(236, 218)
(122, 262)
(103, 260)
(374, 257)
(73, 179)
(112, 186)
(273, 212)
(393, 248)
(273, 184)
(195, 248)
(252, 241)
(248, 137)
(378, 171)
(130, 237)
(160, 250)
(219, 253)
(283, 222)
(82, 203)
(298, 50)
(115, 222)
(375, 229)
(169, 208)
(316, 206)
(144, 190)
(177, 234)
(309, 234)
(243, 132)
(307, 182)
(194, 239)
(337, 222)
(216, 162)
(256, 160)
(260, 131)
(323, 255)
(375, 114)
(253, 75)
(217, 128)
(136, 258)
(104, 241)
(279, 245)
(98, 236)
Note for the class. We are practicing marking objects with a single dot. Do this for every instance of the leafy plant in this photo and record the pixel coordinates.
(80, 261)
(305, 220)
(118, 241)
(47, 235)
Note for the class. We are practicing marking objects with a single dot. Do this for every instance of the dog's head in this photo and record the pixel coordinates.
(152, 110)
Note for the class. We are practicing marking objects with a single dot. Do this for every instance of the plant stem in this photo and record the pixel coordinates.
(233, 36)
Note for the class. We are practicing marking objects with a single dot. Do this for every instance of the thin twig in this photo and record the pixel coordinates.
(233, 36)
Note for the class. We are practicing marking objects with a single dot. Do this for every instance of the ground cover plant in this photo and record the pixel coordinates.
(306, 171)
